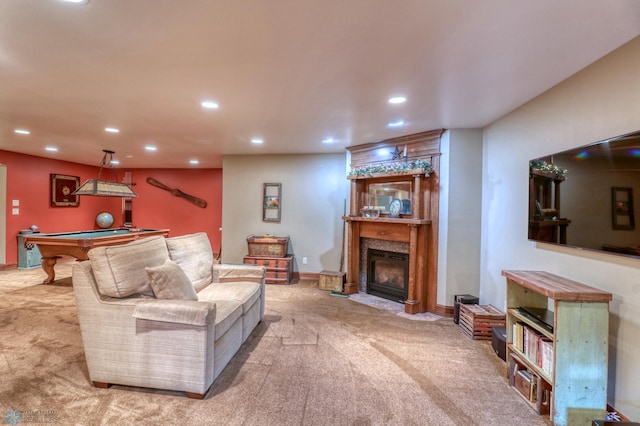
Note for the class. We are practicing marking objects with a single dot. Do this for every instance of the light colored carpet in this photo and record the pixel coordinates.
(314, 360)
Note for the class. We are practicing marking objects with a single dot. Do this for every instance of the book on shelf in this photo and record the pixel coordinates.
(518, 335)
(531, 338)
(545, 358)
(533, 390)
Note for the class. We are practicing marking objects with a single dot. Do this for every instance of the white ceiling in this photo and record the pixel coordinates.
(289, 71)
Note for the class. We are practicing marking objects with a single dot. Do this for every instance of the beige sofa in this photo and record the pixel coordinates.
(159, 313)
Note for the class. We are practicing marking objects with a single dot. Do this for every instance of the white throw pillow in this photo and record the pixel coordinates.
(168, 281)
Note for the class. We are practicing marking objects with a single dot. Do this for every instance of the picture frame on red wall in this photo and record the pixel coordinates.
(62, 186)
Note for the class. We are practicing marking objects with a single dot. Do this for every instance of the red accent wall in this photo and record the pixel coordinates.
(157, 208)
(28, 180)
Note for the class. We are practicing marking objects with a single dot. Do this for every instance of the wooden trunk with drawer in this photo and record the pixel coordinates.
(279, 269)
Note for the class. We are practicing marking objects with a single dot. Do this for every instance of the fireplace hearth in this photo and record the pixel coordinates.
(388, 274)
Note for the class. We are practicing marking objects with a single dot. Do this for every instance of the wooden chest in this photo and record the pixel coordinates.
(267, 246)
(279, 269)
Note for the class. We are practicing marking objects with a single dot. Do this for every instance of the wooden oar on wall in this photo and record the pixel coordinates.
(192, 199)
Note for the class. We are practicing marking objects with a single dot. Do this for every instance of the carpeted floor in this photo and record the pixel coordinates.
(314, 360)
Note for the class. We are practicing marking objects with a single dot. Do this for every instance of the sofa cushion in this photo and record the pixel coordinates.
(168, 281)
(119, 270)
(244, 292)
(227, 313)
(194, 255)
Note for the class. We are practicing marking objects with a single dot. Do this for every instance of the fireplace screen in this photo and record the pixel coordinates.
(388, 274)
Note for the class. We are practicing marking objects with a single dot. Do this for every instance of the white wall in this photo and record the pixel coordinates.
(459, 214)
(599, 102)
(314, 191)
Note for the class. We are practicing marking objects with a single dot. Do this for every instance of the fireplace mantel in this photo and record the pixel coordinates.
(387, 220)
(418, 229)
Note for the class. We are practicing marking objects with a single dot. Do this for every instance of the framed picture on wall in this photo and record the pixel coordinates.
(271, 202)
(62, 186)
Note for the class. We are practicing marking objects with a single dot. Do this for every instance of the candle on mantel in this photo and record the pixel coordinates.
(405, 151)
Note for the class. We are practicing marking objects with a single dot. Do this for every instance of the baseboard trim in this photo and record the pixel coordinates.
(307, 275)
(8, 267)
(444, 311)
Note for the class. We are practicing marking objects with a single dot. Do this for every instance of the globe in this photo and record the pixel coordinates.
(104, 220)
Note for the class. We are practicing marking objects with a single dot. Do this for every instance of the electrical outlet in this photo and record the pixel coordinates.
(304, 260)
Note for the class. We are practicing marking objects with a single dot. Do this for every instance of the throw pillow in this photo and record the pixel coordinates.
(168, 281)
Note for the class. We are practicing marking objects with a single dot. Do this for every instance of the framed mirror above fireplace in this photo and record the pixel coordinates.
(380, 195)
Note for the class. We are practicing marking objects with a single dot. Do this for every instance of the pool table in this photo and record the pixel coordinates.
(77, 244)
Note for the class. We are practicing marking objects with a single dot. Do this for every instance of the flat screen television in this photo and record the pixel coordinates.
(584, 197)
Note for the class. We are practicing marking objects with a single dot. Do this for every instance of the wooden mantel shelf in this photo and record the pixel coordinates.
(408, 221)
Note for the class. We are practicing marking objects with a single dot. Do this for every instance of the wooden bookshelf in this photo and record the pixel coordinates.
(577, 382)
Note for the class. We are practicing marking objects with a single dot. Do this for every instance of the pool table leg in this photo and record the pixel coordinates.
(47, 265)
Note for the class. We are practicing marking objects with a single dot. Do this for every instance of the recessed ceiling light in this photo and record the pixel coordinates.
(116, 162)
(51, 149)
(150, 148)
(210, 104)
(397, 123)
(111, 130)
(194, 162)
(328, 139)
(76, 1)
(397, 100)
(22, 132)
(257, 141)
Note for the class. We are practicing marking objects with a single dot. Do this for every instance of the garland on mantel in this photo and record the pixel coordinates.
(401, 166)
(546, 167)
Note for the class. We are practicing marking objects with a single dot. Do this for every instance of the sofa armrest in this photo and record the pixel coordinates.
(232, 272)
(176, 311)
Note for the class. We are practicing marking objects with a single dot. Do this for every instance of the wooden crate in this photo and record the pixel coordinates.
(331, 280)
(476, 321)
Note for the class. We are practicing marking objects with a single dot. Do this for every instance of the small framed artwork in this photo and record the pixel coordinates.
(622, 208)
(271, 202)
(62, 186)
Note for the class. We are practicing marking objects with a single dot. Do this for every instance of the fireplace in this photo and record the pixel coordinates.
(388, 274)
(413, 162)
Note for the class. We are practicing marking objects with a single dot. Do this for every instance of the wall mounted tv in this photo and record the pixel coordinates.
(584, 197)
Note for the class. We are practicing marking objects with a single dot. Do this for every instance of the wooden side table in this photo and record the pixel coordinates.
(279, 269)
